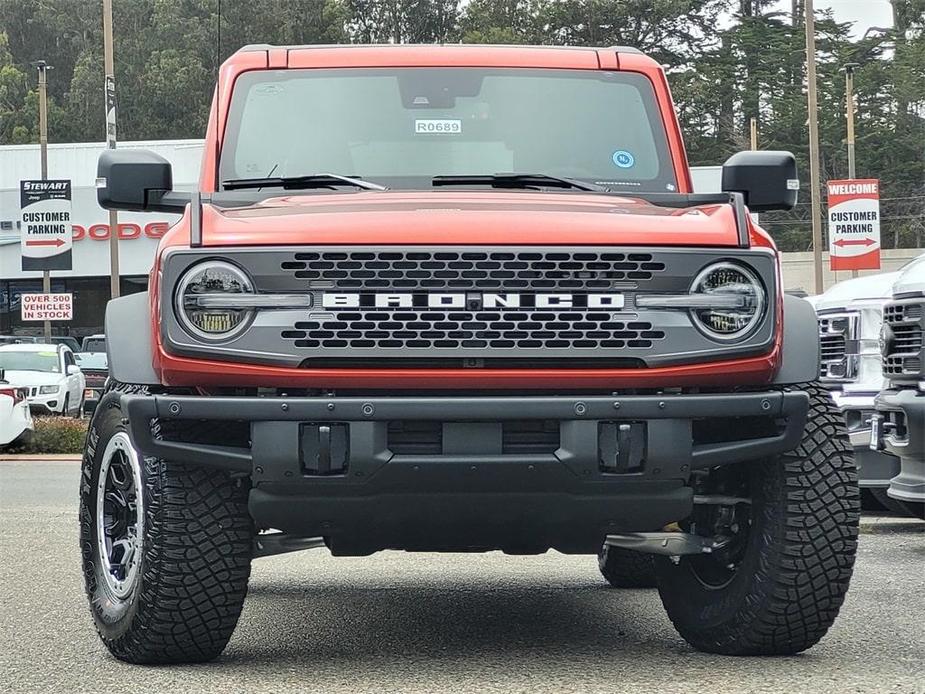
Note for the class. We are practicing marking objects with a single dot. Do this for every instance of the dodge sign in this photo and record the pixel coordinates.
(854, 224)
(45, 224)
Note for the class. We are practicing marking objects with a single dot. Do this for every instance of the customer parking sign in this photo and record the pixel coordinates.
(854, 224)
(45, 224)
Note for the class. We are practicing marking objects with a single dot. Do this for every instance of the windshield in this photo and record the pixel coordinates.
(94, 344)
(402, 126)
(30, 361)
(91, 360)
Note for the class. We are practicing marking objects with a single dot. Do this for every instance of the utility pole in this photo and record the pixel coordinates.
(812, 107)
(754, 133)
(849, 114)
(110, 89)
(43, 69)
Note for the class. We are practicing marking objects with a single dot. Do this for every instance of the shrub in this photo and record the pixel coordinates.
(54, 435)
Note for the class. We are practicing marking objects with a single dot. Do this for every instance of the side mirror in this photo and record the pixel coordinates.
(73, 370)
(137, 180)
(768, 180)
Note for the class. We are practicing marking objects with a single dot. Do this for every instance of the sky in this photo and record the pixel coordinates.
(864, 13)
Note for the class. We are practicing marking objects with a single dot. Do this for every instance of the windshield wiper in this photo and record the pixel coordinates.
(518, 180)
(319, 180)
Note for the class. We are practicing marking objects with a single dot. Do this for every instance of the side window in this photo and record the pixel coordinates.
(68, 359)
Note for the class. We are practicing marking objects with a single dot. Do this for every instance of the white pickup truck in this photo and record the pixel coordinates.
(850, 320)
(898, 427)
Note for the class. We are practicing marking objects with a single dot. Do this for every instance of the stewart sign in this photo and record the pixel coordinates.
(46, 233)
(854, 224)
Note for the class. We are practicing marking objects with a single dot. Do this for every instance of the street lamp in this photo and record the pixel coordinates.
(43, 68)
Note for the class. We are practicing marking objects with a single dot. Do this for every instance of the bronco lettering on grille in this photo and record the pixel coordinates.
(471, 301)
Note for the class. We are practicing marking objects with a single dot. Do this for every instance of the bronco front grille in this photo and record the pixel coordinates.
(903, 343)
(473, 330)
(505, 270)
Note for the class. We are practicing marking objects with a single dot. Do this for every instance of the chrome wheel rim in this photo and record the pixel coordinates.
(119, 515)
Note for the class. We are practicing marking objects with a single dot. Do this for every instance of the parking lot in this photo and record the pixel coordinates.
(430, 622)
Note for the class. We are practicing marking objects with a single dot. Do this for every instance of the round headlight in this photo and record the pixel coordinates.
(739, 301)
(206, 300)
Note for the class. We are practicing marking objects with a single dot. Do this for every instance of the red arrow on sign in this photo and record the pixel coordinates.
(855, 242)
(49, 242)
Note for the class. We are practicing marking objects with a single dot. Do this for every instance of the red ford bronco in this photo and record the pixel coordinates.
(458, 299)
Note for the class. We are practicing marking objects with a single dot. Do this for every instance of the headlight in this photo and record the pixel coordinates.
(48, 390)
(739, 301)
(211, 300)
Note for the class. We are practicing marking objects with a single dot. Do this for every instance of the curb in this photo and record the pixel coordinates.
(38, 458)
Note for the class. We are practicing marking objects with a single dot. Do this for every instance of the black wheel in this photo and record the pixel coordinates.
(870, 503)
(892, 505)
(777, 583)
(624, 568)
(166, 547)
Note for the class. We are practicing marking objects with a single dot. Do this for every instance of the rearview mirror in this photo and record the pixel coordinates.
(137, 180)
(767, 180)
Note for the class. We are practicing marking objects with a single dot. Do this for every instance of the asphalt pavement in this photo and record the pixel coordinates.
(432, 622)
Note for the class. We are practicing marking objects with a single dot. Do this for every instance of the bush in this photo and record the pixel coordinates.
(54, 435)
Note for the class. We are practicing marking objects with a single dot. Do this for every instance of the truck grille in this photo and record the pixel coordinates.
(903, 344)
(435, 270)
(508, 329)
(838, 333)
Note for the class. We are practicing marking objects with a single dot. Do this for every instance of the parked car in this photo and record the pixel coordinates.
(95, 369)
(93, 343)
(15, 416)
(850, 315)
(583, 356)
(899, 425)
(54, 382)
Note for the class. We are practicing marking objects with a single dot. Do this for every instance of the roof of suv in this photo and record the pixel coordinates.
(32, 347)
(431, 47)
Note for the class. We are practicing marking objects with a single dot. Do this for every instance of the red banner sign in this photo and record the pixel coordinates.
(854, 224)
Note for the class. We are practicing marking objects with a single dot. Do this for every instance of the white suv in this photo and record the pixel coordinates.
(53, 382)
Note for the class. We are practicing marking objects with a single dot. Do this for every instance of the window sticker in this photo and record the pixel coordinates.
(437, 126)
(624, 159)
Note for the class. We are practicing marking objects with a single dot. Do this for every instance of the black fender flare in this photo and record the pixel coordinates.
(129, 342)
(800, 348)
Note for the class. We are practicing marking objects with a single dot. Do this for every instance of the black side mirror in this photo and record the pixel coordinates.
(768, 180)
(137, 180)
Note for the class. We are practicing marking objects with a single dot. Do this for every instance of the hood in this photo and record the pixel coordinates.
(912, 278)
(867, 287)
(32, 378)
(467, 217)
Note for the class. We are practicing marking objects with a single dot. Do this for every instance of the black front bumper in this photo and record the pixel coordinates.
(324, 467)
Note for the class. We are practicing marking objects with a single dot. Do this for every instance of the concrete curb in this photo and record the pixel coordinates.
(38, 458)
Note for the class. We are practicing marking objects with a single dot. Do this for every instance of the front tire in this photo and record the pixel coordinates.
(166, 547)
(779, 585)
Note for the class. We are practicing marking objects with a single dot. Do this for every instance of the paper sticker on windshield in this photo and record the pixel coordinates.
(437, 126)
(624, 159)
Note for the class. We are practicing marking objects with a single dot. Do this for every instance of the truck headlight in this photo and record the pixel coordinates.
(740, 301)
(211, 300)
(48, 390)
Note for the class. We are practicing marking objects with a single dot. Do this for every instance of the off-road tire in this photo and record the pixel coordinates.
(799, 556)
(624, 568)
(195, 557)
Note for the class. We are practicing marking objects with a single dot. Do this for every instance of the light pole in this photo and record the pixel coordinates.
(812, 107)
(849, 115)
(110, 97)
(43, 69)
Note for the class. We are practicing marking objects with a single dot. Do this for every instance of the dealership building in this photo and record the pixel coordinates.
(88, 280)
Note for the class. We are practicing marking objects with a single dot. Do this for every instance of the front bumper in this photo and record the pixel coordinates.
(324, 466)
(875, 467)
(900, 430)
(46, 404)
